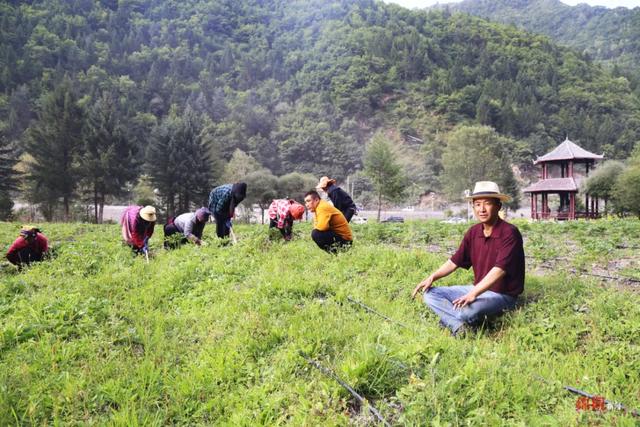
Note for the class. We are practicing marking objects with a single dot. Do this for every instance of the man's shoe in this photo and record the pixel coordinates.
(462, 331)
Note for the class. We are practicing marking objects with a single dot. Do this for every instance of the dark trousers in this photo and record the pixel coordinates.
(348, 214)
(222, 229)
(329, 241)
(169, 230)
(286, 231)
(25, 257)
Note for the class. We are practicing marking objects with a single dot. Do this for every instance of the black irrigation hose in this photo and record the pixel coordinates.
(602, 276)
(328, 372)
(371, 310)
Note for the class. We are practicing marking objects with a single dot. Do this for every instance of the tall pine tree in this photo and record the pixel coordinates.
(381, 165)
(107, 161)
(178, 162)
(54, 142)
(8, 177)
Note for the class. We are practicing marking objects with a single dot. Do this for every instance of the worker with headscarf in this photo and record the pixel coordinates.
(222, 204)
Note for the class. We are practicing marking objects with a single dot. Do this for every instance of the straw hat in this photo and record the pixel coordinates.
(325, 182)
(148, 213)
(487, 189)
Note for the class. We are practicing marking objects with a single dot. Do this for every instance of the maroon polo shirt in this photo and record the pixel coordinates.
(502, 249)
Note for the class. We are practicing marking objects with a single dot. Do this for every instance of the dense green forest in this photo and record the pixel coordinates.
(93, 94)
(608, 35)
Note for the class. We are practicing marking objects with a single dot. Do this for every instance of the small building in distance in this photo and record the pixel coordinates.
(563, 170)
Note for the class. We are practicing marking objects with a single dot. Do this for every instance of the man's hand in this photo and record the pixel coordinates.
(463, 301)
(423, 286)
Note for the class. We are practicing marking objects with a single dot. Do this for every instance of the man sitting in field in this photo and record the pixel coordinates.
(494, 249)
(330, 228)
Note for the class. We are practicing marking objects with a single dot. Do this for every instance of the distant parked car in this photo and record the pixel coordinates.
(393, 219)
(409, 209)
(454, 220)
(359, 220)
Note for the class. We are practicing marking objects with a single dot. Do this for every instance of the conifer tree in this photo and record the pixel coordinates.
(107, 161)
(8, 177)
(385, 171)
(53, 143)
(178, 162)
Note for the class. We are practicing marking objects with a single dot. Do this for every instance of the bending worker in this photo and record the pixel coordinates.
(30, 246)
(282, 213)
(494, 249)
(137, 227)
(222, 204)
(190, 225)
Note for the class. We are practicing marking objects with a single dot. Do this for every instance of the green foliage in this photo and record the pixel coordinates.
(302, 85)
(108, 157)
(383, 169)
(8, 177)
(143, 193)
(239, 167)
(609, 35)
(211, 334)
(178, 162)
(601, 183)
(261, 189)
(54, 143)
(293, 185)
(478, 153)
(626, 191)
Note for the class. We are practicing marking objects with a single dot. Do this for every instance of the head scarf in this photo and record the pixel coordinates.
(238, 193)
(202, 214)
(297, 210)
(29, 231)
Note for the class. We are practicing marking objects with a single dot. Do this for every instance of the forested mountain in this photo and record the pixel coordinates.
(610, 35)
(300, 85)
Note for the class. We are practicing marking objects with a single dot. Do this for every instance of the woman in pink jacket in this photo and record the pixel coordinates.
(137, 227)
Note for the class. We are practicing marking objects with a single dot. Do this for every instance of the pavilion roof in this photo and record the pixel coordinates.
(552, 185)
(566, 151)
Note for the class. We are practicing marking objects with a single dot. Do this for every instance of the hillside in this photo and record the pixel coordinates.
(211, 335)
(289, 76)
(608, 35)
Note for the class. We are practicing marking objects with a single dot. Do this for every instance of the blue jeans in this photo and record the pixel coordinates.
(486, 304)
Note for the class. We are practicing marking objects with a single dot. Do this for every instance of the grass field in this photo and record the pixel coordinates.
(212, 335)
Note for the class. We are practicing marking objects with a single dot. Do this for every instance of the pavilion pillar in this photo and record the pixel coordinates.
(531, 204)
(572, 205)
(586, 204)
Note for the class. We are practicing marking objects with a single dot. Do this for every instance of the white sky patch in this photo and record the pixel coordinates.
(412, 4)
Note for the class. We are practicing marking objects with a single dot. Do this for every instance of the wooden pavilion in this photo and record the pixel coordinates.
(563, 170)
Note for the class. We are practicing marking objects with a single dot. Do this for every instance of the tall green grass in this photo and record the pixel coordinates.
(211, 335)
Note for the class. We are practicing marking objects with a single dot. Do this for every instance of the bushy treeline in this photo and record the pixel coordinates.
(173, 89)
(618, 184)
